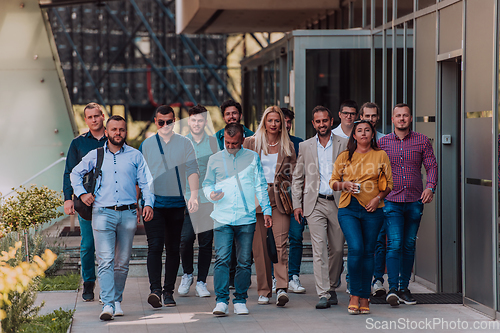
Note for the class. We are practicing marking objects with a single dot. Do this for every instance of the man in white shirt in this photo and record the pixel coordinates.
(348, 114)
(371, 112)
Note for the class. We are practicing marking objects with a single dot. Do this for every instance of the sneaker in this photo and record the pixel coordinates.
(281, 298)
(107, 313)
(220, 309)
(118, 309)
(186, 282)
(295, 286)
(240, 308)
(154, 299)
(323, 303)
(333, 298)
(392, 297)
(168, 298)
(406, 297)
(201, 289)
(263, 300)
(378, 289)
(274, 285)
(88, 291)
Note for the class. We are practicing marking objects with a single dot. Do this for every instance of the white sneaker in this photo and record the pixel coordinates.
(295, 286)
(186, 282)
(220, 309)
(107, 313)
(281, 298)
(378, 289)
(201, 289)
(240, 308)
(263, 300)
(274, 285)
(118, 309)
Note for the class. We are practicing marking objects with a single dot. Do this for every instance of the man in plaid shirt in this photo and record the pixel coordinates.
(403, 209)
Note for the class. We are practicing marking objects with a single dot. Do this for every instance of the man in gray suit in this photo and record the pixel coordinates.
(315, 200)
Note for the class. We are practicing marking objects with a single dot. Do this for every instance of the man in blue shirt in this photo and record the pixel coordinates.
(79, 147)
(233, 180)
(198, 224)
(171, 159)
(114, 212)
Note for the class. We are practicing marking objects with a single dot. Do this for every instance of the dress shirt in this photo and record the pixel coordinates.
(203, 151)
(325, 165)
(120, 172)
(221, 175)
(407, 156)
(79, 147)
(338, 131)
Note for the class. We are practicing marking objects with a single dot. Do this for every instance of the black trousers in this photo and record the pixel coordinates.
(164, 231)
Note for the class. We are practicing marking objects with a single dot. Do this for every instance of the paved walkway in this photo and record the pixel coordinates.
(194, 314)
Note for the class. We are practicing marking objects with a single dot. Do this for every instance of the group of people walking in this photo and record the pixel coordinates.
(237, 189)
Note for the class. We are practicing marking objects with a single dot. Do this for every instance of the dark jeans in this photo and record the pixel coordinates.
(402, 222)
(380, 253)
(204, 249)
(360, 229)
(87, 250)
(295, 237)
(164, 230)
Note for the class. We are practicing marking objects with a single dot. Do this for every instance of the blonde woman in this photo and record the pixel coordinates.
(272, 143)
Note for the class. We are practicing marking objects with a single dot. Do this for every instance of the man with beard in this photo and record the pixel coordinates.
(198, 224)
(314, 199)
(348, 114)
(407, 151)
(231, 113)
(171, 159)
(81, 146)
(114, 212)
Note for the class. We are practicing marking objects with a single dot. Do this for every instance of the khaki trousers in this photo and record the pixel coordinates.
(281, 224)
(327, 244)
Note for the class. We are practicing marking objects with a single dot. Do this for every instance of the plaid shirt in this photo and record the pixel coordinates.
(407, 157)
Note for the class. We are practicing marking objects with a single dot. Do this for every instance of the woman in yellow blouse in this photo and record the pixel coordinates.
(363, 174)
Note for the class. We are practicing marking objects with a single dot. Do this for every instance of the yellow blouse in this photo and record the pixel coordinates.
(364, 169)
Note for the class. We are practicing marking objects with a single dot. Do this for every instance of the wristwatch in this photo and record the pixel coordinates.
(432, 190)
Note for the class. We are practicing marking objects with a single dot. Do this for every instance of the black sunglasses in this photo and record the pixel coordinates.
(163, 122)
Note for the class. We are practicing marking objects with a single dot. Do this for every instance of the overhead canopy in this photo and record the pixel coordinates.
(230, 16)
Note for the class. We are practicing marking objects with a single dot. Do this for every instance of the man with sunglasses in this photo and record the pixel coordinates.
(171, 159)
(348, 114)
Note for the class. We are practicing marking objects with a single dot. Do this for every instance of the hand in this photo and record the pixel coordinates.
(427, 196)
(268, 221)
(298, 213)
(349, 187)
(147, 213)
(87, 198)
(216, 196)
(69, 207)
(139, 213)
(192, 204)
(372, 205)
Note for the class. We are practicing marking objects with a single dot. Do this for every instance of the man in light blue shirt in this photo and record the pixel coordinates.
(234, 179)
(114, 212)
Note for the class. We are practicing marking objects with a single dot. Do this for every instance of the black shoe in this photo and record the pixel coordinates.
(154, 299)
(392, 297)
(406, 297)
(333, 298)
(323, 303)
(88, 291)
(168, 298)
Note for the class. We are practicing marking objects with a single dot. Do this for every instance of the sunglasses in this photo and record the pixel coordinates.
(163, 122)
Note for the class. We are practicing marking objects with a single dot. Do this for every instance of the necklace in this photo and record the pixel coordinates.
(274, 144)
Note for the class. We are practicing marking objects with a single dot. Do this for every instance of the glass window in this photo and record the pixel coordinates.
(379, 9)
(368, 13)
(357, 15)
(405, 7)
(425, 3)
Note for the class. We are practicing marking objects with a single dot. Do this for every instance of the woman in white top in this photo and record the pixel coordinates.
(272, 142)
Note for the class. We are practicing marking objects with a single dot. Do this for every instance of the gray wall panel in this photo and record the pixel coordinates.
(450, 28)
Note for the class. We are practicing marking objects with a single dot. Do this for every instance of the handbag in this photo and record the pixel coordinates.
(89, 181)
(284, 193)
(271, 246)
(382, 181)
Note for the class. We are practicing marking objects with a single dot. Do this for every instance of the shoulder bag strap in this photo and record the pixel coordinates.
(97, 169)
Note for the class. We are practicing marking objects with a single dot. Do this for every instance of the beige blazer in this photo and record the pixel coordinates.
(306, 178)
(284, 165)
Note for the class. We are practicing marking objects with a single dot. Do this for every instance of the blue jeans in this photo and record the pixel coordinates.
(402, 222)
(87, 250)
(295, 237)
(380, 253)
(114, 234)
(223, 241)
(360, 230)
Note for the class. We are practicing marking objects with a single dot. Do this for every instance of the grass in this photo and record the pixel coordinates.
(60, 282)
(56, 322)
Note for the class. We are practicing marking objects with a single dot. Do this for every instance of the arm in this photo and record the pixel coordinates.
(336, 182)
(144, 180)
(261, 192)
(209, 182)
(386, 169)
(298, 185)
(193, 176)
(431, 168)
(71, 162)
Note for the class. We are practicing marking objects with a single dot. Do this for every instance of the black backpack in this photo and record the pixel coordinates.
(89, 181)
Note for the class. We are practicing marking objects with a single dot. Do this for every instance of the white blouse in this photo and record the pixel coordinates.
(269, 162)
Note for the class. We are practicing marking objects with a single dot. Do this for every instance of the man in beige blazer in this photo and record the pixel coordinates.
(315, 200)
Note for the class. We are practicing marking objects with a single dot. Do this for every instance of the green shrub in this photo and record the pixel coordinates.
(21, 310)
(61, 282)
(56, 322)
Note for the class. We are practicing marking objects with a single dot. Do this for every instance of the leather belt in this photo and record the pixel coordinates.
(327, 197)
(124, 207)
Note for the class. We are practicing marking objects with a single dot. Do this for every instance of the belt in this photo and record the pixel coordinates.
(124, 207)
(327, 197)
